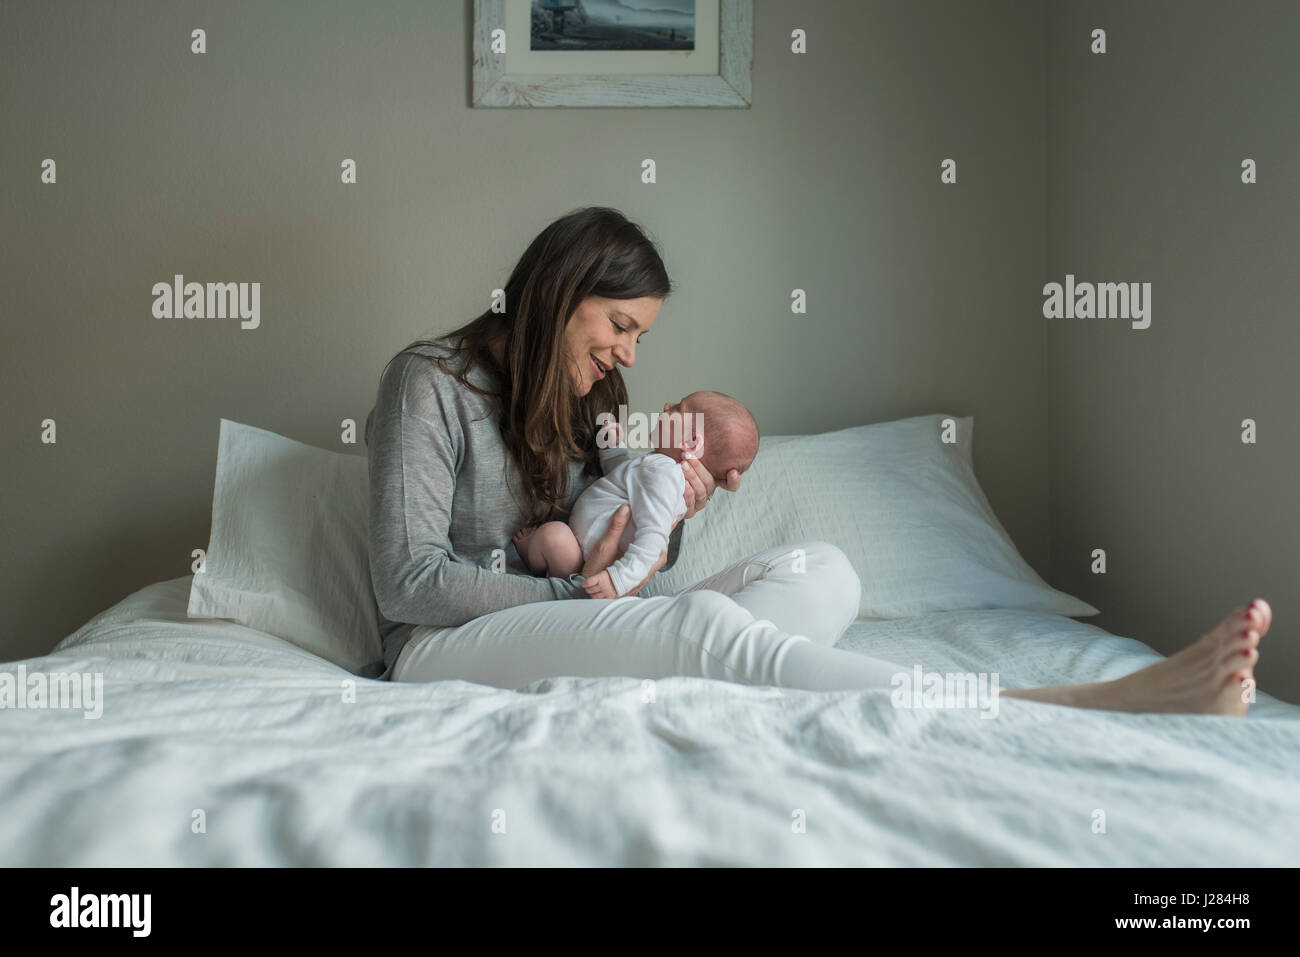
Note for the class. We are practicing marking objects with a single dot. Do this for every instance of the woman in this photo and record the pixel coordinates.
(493, 428)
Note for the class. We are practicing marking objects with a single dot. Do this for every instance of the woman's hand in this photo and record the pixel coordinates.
(700, 485)
(606, 551)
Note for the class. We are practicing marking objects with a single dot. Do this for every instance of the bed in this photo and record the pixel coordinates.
(224, 744)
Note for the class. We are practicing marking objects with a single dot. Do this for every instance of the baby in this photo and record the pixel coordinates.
(652, 485)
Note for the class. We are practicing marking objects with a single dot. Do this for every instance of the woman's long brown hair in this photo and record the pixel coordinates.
(594, 251)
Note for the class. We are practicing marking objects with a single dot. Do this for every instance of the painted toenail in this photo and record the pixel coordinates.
(1253, 604)
(1245, 651)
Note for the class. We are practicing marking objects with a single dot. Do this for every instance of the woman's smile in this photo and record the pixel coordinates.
(607, 330)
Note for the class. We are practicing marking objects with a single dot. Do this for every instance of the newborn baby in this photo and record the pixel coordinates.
(652, 485)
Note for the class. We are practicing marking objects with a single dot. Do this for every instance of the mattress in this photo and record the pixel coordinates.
(220, 745)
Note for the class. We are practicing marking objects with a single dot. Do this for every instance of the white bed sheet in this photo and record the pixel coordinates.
(213, 716)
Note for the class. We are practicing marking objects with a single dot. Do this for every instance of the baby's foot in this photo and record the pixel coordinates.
(522, 540)
(1214, 675)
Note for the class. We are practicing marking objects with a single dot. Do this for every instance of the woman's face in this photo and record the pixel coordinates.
(603, 333)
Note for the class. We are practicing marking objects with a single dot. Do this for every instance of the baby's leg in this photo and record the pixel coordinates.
(552, 549)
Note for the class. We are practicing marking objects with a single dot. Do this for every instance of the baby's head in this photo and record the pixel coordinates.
(712, 427)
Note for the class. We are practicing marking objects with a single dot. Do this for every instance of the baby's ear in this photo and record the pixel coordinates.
(693, 448)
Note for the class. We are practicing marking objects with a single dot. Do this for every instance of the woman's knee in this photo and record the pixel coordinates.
(717, 638)
(708, 615)
(837, 581)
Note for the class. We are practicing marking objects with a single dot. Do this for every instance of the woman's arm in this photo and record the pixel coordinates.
(413, 567)
(415, 443)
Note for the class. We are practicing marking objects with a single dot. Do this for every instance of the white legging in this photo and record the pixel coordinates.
(768, 620)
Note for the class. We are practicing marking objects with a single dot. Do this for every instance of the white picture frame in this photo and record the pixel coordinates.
(729, 87)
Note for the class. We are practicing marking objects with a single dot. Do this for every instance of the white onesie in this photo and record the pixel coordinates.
(653, 485)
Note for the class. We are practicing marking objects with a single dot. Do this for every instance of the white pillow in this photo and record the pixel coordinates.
(289, 553)
(903, 506)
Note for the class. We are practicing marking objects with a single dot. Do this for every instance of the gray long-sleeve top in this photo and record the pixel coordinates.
(444, 504)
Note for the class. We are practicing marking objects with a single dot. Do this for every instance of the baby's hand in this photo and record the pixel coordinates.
(599, 586)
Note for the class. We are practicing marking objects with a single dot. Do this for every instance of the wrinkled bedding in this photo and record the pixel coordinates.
(219, 745)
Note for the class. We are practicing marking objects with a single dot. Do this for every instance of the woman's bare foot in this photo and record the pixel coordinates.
(1214, 675)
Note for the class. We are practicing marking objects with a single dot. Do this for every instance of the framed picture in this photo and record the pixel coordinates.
(613, 53)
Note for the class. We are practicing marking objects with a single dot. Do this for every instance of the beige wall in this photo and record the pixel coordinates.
(1145, 151)
(224, 167)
